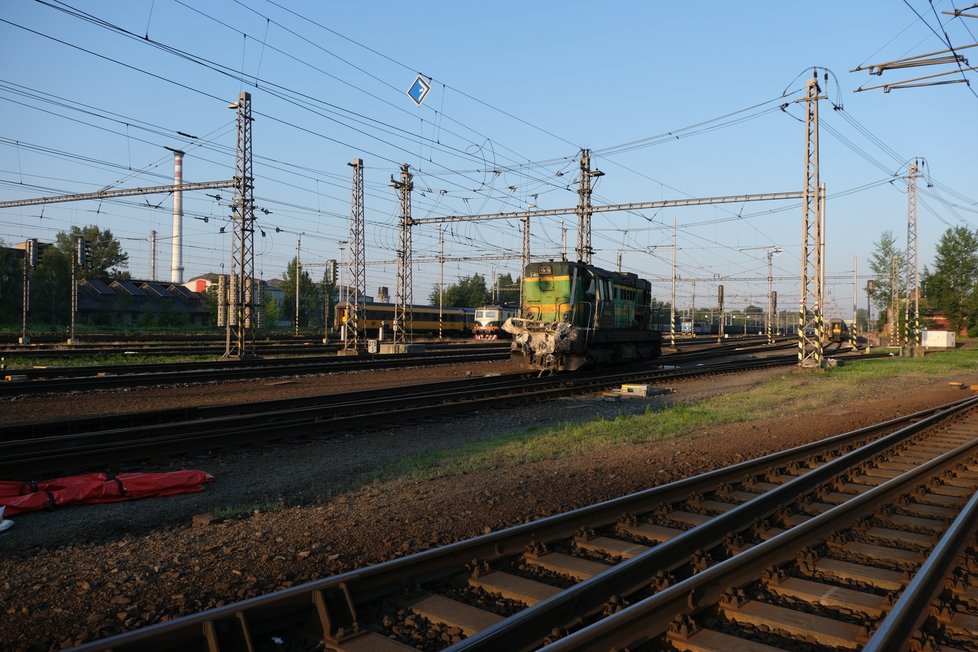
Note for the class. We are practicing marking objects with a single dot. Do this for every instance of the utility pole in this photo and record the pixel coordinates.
(855, 297)
(359, 259)
(720, 329)
(30, 262)
(771, 297)
(820, 273)
(911, 326)
(563, 242)
(77, 262)
(441, 281)
(894, 304)
(692, 310)
(298, 275)
(524, 254)
(240, 338)
(152, 255)
(584, 209)
(870, 286)
(403, 331)
(810, 352)
(672, 303)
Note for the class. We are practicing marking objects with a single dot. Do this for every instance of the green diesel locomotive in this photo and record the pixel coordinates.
(575, 314)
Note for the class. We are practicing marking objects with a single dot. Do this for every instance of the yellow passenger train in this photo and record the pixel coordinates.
(423, 319)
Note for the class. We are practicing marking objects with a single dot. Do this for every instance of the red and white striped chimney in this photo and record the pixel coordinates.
(176, 260)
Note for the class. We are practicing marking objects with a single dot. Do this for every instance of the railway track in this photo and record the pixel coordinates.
(209, 347)
(54, 445)
(843, 543)
(87, 378)
(69, 379)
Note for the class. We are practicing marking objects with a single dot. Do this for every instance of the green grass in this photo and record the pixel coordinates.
(795, 392)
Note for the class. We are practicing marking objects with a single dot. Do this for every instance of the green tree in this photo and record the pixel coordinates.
(884, 256)
(951, 287)
(51, 289)
(467, 292)
(51, 285)
(105, 259)
(273, 311)
(508, 289)
(307, 295)
(11, 284)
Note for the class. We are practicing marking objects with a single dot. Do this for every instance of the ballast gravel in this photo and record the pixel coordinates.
(282, 514)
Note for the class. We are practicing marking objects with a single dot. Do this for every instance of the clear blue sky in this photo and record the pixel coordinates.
(518, 89)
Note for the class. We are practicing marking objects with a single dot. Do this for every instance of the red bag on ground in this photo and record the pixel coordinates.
(98, 488)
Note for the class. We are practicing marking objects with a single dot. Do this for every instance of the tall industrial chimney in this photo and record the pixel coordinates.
(176, 261)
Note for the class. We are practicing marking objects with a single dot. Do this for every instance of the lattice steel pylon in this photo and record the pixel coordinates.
(584, 251)
(911, 314)
(524, 253)
(810, 352)
(403, 322)
(894, 310)
(358, 264)
(240, 340)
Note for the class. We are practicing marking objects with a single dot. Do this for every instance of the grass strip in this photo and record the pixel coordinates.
(797, 391)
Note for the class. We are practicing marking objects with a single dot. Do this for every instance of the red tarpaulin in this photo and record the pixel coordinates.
(19, 497)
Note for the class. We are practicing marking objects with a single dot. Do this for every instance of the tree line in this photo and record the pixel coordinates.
(950, 287)
(51, 278)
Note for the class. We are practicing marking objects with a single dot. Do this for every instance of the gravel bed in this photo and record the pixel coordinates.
(309, 510)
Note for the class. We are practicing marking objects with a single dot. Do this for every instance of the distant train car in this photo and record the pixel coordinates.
(837, 331)
(575, 314)
(456, 322)
(489, 321)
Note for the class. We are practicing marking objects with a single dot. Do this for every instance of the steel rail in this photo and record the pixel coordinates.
(199, 412)
(651, 617)
(214, 349)
(236, 370)
(911, 609)
(49, 428)
(529, 628)
(322, 600)
(40, 453)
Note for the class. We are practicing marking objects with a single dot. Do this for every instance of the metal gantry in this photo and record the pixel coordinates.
(584, 210)
(911, 313)
(672, 300)
(894, 316)
(358, 269)
(30, 262)
(123, 192)
(240, 329)
(403, 328)
(524, 253)
(810, 353)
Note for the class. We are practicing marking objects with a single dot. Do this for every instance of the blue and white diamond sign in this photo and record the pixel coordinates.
(419, 90)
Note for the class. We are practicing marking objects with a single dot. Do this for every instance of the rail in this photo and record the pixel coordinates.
(335, 608)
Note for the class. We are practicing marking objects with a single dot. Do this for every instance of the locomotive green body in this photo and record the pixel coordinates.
(575, 314)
